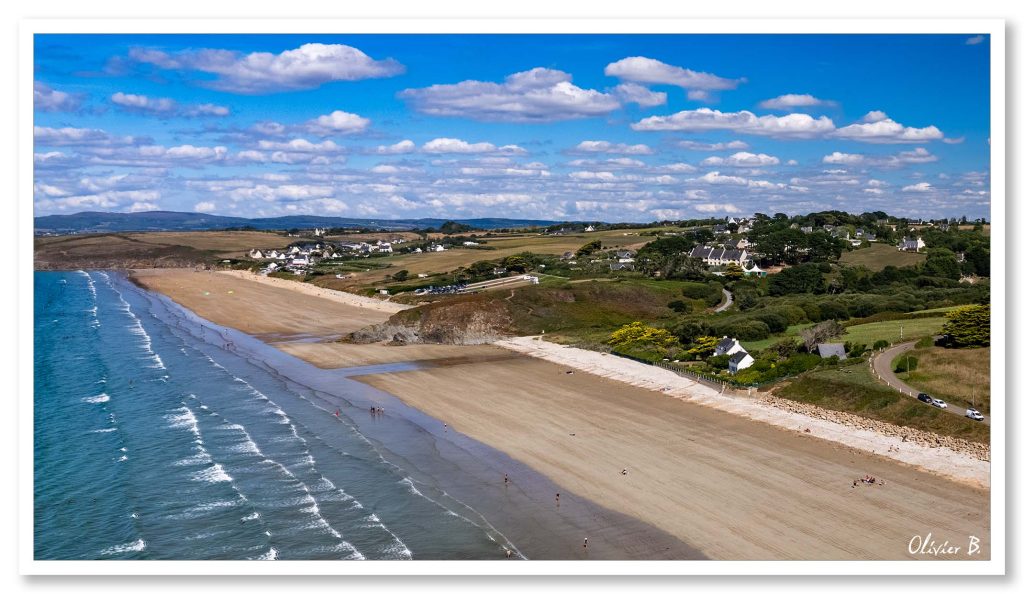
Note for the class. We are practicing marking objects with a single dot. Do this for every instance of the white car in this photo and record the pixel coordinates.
(938, 403)
(973, 414)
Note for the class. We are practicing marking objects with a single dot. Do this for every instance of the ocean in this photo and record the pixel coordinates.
(155, 441)
(160, 435)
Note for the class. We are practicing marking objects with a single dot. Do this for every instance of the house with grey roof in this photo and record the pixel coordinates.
(832, 349)
(740, 360)
(727, 346)
(911, 245)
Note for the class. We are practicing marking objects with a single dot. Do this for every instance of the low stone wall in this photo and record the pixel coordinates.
(974, 449)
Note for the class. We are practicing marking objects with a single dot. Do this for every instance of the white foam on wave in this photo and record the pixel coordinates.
(270, 555)
(138, 545)
(200, 459)
(251, 517)
(107, 430)
(184, 419)
(123, 459)
(104, 397)
(202, 509)
(137, 329)
(213, 474)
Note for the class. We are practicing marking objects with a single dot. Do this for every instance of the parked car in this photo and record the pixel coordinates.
(938, 403)
(973, 414)
(924, 398)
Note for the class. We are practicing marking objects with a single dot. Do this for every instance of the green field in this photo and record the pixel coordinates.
(890, 331)
(852, 389)
(868, 333)
(880, 255)
(958, 376)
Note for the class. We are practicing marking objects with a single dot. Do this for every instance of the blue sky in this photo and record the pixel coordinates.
(606, 127)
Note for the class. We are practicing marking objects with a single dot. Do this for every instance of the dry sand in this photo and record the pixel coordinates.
(296, 317)
(260, 309)
(733, 488)
(730, 486)
(331, 355)
(958, 466)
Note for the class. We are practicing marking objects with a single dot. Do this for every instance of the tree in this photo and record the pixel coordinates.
(804, 278)
(516, 263)
(703, 346)
(401, 275)
(640, 334)
(733, 271)
(589, 249)
(968, 327)
(942, 262)
(820, 333)
(450, 227)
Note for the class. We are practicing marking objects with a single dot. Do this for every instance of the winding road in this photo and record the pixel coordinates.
(728, 302)
(882, 365)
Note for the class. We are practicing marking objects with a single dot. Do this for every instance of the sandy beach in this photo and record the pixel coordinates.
(733, 487)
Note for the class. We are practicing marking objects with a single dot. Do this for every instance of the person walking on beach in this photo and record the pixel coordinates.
(585, 542)
(506, 479)
(557, 495)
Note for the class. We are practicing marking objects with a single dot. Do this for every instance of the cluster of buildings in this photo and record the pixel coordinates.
(839, 232)
(300, 257)
(295, 258)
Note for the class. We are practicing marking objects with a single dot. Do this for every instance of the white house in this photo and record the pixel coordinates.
(386, 248)
(740, 360)
(911, 245)
(589, 229)
(719, 256)
(727, 346)
(255, 253)
(469, 243)
(438, 248)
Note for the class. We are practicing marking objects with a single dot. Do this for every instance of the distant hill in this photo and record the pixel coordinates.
(101, 222)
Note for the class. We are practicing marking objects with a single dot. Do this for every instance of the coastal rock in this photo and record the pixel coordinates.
(974, 449)
(464, 322)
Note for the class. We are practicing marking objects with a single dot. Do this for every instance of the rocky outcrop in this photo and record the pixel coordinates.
(446, 322)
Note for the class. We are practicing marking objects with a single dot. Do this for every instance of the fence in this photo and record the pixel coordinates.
(877, 376)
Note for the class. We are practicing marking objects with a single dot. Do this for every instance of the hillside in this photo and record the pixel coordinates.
(105, 222)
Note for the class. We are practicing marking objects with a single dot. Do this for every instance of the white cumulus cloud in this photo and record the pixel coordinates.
(306, 67)
(537, 95)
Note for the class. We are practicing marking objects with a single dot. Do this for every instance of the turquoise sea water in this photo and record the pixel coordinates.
(155, 439)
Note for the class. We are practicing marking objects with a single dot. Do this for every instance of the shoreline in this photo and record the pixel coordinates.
(458, 466)
(315, 291)
(724, 483)
(940, 460)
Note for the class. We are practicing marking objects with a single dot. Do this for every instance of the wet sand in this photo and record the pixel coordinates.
(731, 487)
(450, 468)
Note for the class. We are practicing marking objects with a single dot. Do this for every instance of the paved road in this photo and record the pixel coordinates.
(727, 304)
(882, 364)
